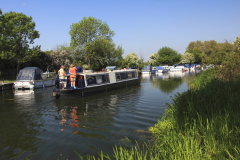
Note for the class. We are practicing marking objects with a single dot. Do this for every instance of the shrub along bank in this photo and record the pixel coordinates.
(202, 123)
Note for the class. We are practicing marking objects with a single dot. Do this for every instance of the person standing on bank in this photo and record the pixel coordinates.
(62, 75)
(73, 74)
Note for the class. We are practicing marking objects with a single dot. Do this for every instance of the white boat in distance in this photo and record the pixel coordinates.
(147, 69)
(162, 69)
(177, 68)
(31, 78)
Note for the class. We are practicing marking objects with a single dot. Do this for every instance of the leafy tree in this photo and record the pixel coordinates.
(210, 47)
(153, 59)
(119, 60)
(209, 51)
(132, 60)
(62, 55)
(17, 32)
(187, 58)
(197, 55)
(84, 36)
(168, 56)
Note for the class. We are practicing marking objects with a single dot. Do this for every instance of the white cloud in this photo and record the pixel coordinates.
(24, 4)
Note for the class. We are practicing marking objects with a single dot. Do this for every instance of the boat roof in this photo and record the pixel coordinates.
(30, 68)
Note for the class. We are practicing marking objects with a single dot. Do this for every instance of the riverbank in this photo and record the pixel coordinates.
(202, 123)
(5, 86)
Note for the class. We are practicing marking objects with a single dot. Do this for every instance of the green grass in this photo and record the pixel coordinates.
(202, 123)
(7, 79)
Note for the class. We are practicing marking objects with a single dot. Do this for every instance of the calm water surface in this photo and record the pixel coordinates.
(36, 126)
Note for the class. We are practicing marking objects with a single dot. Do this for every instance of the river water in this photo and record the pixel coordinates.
(35, 125)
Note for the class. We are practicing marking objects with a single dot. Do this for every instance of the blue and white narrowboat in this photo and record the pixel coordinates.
(90, 83)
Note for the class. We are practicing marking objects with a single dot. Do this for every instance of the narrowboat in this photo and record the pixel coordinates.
(94, 82)
(32, 78)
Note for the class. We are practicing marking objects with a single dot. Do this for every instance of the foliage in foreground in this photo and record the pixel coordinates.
(202, 123)
(122, 153)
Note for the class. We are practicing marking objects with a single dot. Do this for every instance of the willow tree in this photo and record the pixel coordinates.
(17, 33)
(85, 34)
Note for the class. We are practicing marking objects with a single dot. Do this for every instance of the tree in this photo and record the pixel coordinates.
(17, 32)
(210, 47)
(85, 34)
(119, 61)
(62, 55)
(168, 56)
(103, 53)
(153, 59)
(187, 58)
(132, 60)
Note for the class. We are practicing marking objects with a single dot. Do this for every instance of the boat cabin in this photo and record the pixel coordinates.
(30, 78)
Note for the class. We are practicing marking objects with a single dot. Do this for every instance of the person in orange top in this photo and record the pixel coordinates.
(73, 74)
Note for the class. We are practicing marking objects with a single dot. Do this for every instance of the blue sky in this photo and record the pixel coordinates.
(140, 26)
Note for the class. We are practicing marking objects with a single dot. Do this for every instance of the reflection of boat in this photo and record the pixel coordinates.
(30, 78)
(23, 92)
(163, 76)
(177, 74)
(97, 81)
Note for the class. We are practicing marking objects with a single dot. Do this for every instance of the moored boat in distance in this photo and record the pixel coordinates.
(154, 69)
(147, 69)
(32, 78)
(162, 69)
(177, 68)
(94, 82)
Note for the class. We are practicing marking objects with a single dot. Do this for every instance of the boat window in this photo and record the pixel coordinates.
(118, 77)
(134, 74)
(99, 79)
(123, 75)
(106, 78)
(91, 80)
(129, 75)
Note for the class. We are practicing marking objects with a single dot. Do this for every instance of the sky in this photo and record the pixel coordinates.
(140, 26)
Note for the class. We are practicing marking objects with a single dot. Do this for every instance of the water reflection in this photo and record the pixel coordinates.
(170, 81)
(19, 130)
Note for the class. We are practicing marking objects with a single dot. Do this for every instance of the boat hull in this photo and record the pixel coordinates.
(57, 93)
(34, 84)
